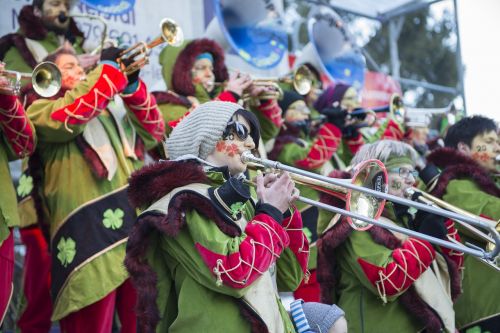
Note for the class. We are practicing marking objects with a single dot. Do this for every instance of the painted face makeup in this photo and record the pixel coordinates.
(203, 73)
(484, 150)
(227, 152)
(400, 179)
(71, 71)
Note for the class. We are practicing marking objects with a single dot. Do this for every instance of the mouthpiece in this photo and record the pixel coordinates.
(247, 156)
(62, 17)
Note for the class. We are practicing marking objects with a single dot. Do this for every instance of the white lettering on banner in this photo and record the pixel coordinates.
(139, 24)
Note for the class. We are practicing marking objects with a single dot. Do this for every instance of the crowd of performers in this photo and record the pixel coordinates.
(136, 214)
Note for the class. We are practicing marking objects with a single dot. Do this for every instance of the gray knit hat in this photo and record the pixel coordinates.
(321, 317)
(198, 133)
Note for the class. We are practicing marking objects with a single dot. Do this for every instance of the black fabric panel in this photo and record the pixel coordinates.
(87, 230)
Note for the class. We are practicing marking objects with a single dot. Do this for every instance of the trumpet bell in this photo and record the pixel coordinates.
(46, 79)
(303, 80)
(373, 175)
(171, 33)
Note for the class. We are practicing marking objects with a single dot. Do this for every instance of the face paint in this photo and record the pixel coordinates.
(396, 184)
(232, 149)
(484, 150)
(220, 146)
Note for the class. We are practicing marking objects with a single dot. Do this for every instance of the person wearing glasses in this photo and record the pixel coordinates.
(203, 255)
(195, 73)
(467, 177)
(17, 140)
(386, 281)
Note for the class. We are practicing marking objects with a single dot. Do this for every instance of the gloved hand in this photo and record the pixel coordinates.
(430, 224)
(111, 54)
(335, 116)
(349, 131)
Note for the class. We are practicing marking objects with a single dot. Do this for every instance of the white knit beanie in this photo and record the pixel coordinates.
(198, 133)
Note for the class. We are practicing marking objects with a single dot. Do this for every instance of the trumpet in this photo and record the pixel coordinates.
(361, 209)
(45, 78)
(301, 79)
(139, 53)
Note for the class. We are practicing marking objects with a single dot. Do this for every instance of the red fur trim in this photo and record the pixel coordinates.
(456, 165)
(17, 41)
(328, 271)
(90, 105)
(30, 25)
(166, 97)
(98, 168)
(154, 181)
(181, 75)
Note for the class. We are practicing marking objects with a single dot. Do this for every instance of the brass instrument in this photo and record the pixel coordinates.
(45, 78)
(302, 80)
(104, 35)
(359, 210)
(139, 53)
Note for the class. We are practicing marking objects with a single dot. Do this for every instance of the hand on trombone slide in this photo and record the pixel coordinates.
(276, 190)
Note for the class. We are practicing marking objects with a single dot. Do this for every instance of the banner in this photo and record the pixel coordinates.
(378, 89)
(128, 21)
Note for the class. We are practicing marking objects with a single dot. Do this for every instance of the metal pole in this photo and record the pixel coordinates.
(460, 66)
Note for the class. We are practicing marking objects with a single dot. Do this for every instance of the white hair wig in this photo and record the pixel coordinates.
(385, 150)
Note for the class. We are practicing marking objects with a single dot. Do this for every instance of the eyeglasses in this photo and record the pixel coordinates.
(405, 172)
(237, 128)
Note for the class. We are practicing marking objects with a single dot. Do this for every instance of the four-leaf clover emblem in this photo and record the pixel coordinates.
(66, 251)
(113, 219)
(25, 185)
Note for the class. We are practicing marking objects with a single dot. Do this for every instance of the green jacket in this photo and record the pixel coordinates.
(200, 285)
(375, 270)
(74, 191)
(464, 184)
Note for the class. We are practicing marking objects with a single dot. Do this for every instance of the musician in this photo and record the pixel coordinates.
(91, 138)
(336, 102)
(44, 26)
(195, 73)
(203, 255)
(467, 164)
(17, 140)
(386, 281)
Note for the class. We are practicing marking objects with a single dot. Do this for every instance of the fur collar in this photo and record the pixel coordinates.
(181, 75)
(328, 273)
(455, 165)
(156, 180)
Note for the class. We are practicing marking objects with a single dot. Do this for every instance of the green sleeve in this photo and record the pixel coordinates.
(293, 152)
(171, 112)
(289, 273)
(268, 130)
(15, 62)
(360, 245)
(149, 140)
(203, 231)
(465, 194)
(54, 131)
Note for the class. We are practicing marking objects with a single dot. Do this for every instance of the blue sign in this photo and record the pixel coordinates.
(114, 7)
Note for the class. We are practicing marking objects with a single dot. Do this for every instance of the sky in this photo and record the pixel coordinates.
(479, 26)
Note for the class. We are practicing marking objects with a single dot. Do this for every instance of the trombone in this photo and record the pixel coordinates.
(45, 78)
(139, 53)
(361, 197)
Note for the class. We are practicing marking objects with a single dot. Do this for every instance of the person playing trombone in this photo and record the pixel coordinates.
(203, 255)
(92, 136)
(469, 164)
(386, 281)
(17, 140)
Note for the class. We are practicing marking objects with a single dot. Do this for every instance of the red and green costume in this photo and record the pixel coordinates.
(199, 270)
(386, 281)
(90, 141)
(177, 63)
(465, 184)
(17, 140)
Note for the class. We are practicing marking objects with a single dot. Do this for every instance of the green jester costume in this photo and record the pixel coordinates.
(205, 258)
(91, 140)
